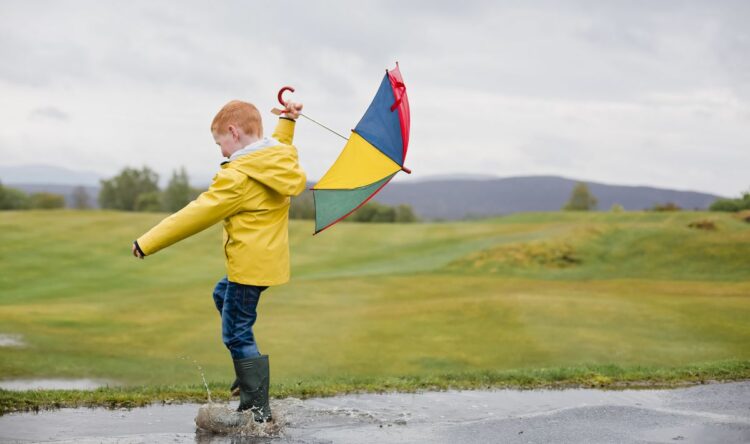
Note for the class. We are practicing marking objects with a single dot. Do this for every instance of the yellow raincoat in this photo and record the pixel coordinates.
(251, 194)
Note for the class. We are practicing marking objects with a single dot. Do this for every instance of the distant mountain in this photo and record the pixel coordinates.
(453, 176)
(47, 174)
(458, 198)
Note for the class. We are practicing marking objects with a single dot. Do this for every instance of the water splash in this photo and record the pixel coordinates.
(219, 419)
(203, 376)
(222, 420)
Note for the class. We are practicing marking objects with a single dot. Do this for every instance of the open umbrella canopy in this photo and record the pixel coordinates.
(373, 155)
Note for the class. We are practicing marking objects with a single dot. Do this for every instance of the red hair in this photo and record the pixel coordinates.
(241, 114)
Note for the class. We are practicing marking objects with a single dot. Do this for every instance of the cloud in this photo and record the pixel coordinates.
(48, 113)
(628, 92)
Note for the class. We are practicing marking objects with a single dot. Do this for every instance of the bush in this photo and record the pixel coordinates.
(368, 212)
(47, 201)
(732, 205)
(703, 225)
(377, 212)
(13, 199)
(405, 214)
(729, 205)
(669, 206)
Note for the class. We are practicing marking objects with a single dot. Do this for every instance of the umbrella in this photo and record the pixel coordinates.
(372, 156)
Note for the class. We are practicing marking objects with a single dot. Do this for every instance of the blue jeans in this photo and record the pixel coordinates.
(237, 304)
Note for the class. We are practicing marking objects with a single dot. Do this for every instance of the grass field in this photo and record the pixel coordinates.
(524, 300)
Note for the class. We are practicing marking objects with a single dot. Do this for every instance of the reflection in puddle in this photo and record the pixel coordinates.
(7, 340)
(52, 384)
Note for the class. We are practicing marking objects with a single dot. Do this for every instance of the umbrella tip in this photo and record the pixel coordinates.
(405, 170)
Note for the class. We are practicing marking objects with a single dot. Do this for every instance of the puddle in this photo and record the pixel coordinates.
(710, 413)
(7, 340)
(698, 434)
(52, 384)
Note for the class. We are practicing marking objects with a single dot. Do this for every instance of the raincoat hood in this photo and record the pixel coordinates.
(275, 166)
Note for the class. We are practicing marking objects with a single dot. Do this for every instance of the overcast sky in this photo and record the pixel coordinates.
(631, 92)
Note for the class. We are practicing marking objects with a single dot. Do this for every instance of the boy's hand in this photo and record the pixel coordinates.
(137, 251)
(293, 110)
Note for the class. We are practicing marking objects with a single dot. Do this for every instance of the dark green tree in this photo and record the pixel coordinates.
(178, 192)
(121, 192)
(13, 199)
(383, 213)
(581, 199)
(374, 212)
(151, 202)
(732, 205)
(365, 213)
(405, 213)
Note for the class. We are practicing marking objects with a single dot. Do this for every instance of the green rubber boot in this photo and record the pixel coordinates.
(253, 374)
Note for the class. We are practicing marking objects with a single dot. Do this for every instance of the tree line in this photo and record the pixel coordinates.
(581, 199)
(131, 190)
(15, 199)
(138, 190)
(732, 205)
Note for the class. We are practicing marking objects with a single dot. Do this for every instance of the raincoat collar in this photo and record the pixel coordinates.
(255, 146)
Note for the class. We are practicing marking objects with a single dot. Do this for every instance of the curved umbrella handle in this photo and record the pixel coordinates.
(281, 94)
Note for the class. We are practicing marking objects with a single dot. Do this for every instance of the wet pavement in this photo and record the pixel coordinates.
(713, 413)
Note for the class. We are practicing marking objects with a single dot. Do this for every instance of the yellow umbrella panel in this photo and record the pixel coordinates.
(359, 172)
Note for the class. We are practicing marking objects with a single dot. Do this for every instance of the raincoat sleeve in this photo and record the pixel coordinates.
(222, 199)
(284, 131)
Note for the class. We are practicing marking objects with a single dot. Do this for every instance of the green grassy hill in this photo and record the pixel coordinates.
(640, 293)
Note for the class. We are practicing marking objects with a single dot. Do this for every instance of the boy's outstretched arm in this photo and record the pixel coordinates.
(222, 199)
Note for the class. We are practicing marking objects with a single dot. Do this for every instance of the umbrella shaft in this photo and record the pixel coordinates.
(318, 123)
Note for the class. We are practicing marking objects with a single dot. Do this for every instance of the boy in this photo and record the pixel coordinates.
(251, 195)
